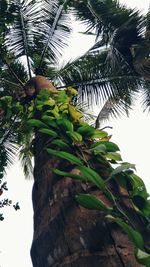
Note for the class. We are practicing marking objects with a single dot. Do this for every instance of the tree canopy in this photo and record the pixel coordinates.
(33, 35)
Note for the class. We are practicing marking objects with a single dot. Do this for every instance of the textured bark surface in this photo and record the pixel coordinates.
(65, 234)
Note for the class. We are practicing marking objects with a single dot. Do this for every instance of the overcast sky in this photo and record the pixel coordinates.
(131, 134)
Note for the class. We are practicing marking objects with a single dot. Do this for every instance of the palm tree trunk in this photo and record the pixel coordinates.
(65, 234)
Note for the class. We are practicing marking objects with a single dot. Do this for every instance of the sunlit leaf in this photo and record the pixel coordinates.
(62, 97)
(50, 102)
(142, 257)
(114, 156)
(72, 90)
(75, 136)
(74, 113)
(99, 134)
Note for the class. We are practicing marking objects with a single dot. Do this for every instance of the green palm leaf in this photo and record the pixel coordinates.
(53, 32)
(113, 107)
(20, 34)
(39, 31)
(25, 157)
(115, 25)
(10, 84)
(89, 74)
(55, 29)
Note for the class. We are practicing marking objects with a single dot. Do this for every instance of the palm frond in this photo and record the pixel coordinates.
(115, 25)
(6, 16)
(15, 138)
(103, 16)
(25, 157)
(112, 108)
(25, 154)
(88, 115)
(10, 75)
(128, 38)
(20, 35)
(89, 74)
(53, 32)
(56, 28)
(145, 91)
(8, 148)
(11, 150)
(82, 13)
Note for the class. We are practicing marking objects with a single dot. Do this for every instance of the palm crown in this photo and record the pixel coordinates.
(39, 30)
(33, 36)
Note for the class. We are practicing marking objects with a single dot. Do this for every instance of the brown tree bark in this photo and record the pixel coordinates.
(65, 234)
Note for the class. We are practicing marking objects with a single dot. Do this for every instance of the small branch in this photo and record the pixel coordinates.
(15, 84)
(106, 127)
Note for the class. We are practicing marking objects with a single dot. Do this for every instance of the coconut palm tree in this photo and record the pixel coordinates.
(124, 33)
(36, 33)
(33, 36)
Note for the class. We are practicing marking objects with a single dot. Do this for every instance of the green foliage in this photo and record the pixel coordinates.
(92, 202)
(123, 167)
(69, 174)
(134, 236)
(36, 123)
(65, 125)
(11, 139)
(142, 257)
(88, 151)
(71, 139)
(48, 132)
(93, 176)
(23, 34)
(64, 155)
(59, 143)
(109, 146)
(55, 117)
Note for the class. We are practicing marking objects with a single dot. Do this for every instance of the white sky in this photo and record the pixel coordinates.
(140, 4)
(131, 134)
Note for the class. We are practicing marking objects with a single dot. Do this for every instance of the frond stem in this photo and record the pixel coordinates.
(15, 84)
(9, 131)
(51, 31)
(91, 10)
(25, 40)
(13, 73)
(107, 79)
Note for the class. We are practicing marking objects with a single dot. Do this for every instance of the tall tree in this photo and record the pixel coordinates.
(33, 34)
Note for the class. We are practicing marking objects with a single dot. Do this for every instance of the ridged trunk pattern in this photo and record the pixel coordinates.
(65, 234)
